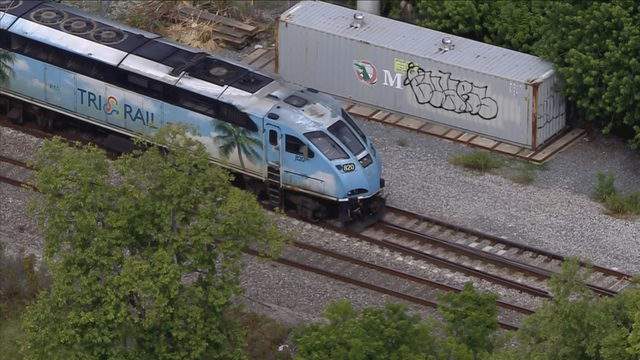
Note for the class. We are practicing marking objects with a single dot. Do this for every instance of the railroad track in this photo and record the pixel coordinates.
(481, 255)
(410, 288)
(15, 172)
(385, 280)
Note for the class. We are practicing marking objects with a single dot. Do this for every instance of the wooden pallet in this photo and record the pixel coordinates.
(234, 33)
(263, 59)
(540, 155)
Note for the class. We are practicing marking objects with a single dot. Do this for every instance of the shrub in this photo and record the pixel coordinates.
(402, 142)
(616, 204)
(606, 193)
(20, 282)
(478, 160)
(604, 186)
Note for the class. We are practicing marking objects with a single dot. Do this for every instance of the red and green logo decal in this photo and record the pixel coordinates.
(365, 71)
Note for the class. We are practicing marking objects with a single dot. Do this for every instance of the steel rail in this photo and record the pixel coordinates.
(387, 270)
(446, 263)
(523, 267)
(362, 284)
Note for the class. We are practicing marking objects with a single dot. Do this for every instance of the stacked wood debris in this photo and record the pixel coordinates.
(232, 32)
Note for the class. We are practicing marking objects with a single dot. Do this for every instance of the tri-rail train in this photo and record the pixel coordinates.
(296, 147)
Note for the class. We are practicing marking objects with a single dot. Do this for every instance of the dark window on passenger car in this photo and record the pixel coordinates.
(349, 120)
(340, 130)
(326, 145)
(296, 101)
(294, 145)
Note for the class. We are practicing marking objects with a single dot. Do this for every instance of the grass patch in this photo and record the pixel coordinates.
(525, 173)
(615, 203)
(605, 186)
(11, 335)
(481, 161)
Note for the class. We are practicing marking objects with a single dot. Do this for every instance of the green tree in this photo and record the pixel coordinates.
(6, 66)
(144, 252)
(235, 137)
(374, 333)
(471, 317)
(594, 46)
(576, 324)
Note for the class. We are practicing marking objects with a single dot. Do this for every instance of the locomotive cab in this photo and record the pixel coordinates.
(321, 151)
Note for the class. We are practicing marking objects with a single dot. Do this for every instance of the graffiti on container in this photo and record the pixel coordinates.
(441, 91)
(550, 112)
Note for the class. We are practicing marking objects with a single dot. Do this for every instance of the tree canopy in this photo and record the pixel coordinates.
(575, 324)
(594, 46)
(144, 253)
(470, 319)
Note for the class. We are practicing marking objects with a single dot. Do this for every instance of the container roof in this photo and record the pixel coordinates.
(418, 41)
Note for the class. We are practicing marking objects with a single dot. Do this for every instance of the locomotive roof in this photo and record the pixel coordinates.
(135, 50)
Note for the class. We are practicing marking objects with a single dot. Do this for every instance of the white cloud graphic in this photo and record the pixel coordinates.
(37, 83)
(21, 65)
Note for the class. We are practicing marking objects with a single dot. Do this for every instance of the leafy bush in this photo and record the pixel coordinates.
(478, 160)
(264, 336)
(402, 142)
(593, 45)
(20, 282)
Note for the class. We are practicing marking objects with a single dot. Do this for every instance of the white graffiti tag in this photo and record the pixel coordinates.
(441, 91)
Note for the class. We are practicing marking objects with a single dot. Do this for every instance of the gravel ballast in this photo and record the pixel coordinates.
(547, 214)
(554, 213)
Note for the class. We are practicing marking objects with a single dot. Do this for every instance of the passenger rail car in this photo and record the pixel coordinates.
(296, 147)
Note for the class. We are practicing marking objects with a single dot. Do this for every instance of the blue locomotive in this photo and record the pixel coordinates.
(295, 147)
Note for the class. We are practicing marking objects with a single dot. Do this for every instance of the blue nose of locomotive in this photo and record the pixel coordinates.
(366, 180)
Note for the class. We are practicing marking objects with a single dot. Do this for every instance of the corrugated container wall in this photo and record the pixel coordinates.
(497, 92)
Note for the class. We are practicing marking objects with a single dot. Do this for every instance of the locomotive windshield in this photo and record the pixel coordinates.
(340, 130)
(349, 120)
(326, 145)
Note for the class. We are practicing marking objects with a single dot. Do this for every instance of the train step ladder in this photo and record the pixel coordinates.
(274, 191)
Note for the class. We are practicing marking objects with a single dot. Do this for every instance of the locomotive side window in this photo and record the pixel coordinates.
(294, 145)
(273, 137)
(340, 130)
(326, 145)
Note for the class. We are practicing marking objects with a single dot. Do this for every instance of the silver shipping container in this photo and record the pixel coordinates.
(499, 93)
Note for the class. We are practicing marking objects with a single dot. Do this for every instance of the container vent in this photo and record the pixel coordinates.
(447, 44)
(358, 20)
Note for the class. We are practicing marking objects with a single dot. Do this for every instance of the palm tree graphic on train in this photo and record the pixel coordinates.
(239, 139)
(6, 66)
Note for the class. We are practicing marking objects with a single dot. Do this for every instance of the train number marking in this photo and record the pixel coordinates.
(348, 167)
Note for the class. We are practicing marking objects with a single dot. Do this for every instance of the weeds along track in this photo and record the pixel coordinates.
(474, 253)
